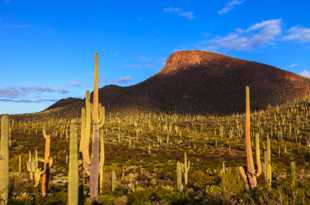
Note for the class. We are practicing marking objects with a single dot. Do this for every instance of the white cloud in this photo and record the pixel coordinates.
(305, 73)
(230, 5)
(180, 12)
(259, 34)
(298, 33)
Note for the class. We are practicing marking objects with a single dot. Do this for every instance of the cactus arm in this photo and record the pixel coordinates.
(85, 137)
(37, 175)
(101, 116)
(258, 159)
(244, 177)
(96, 91)
(102, 161)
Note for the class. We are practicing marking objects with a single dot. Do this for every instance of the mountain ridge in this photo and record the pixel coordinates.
(206, 82)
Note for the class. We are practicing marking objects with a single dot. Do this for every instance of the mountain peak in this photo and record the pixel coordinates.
(183, 59)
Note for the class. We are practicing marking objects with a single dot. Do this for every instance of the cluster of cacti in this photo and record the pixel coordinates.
(73, 172)
(182, 171)
(35, 173)
(93, 118)
(4, 160)
(193, 133)
(33, 168)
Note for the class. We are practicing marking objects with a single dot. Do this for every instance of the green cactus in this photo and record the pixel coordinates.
(19, 164)
(32, 165)
(185, 168)
(179, 176)
(113, 181)
(73, 175)
(268, 164)
(4, 160)
(293, 175)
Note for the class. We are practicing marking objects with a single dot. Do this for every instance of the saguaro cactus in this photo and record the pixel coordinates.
(179, 176)
(47, 164)
(92, 122)
(293, 175)
(113, 180)
(268, 164)
(4, 160)
(250, 175)
(19, 164)
(185, 168)
(73, 178)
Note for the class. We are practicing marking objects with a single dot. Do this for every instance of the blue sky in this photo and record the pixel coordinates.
(47, 47)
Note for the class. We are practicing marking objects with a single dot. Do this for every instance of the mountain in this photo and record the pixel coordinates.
(205, 82)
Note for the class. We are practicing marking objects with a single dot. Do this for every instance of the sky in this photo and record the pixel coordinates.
(47, 47)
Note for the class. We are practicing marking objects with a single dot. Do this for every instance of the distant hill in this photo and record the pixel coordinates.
(203, 82)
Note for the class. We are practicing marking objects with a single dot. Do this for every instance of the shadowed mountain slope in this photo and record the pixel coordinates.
(205, 82)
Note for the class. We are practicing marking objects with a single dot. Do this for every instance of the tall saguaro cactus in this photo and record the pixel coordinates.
(73, 178)
(4, 160)
(249, 176)
(92, 121)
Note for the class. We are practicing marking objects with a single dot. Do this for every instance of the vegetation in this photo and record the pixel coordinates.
(158, 158)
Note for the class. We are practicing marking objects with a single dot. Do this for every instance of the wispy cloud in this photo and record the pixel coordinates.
(230, 5)
(143, 62)
(293, 65)
(123, 80)
(26, 91)
(189, 15)
(5, 26)
(259, 34)
(305, 73)
(298, 33)
(39, 100)
(75, 83)
(34, 94)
